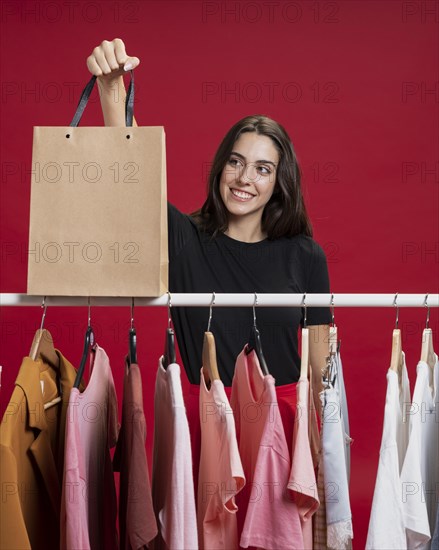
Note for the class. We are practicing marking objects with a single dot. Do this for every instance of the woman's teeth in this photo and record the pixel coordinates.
(241, 194)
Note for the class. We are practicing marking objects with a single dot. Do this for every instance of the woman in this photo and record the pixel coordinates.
(251, 235)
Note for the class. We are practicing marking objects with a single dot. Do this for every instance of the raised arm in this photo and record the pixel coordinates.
(109, 62)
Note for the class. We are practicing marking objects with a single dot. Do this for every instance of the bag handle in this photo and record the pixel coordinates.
(129, 103)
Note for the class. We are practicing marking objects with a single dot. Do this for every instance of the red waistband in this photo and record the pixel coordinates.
(287, 390)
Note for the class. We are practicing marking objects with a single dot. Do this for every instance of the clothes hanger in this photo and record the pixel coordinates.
(396, 357)
(254, 342)
(304, 360)
(427, 352)
(210, 366)
(169, 353)
(88, 343)
(333, 343)
(132, 339)
(42, 346)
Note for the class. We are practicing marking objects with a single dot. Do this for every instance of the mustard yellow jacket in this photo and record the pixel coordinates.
(32, 456)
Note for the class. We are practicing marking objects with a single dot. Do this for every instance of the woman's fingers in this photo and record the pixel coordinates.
(101, 60)
(132, 63)
(110, 59)
(92, 66)
(108, 49)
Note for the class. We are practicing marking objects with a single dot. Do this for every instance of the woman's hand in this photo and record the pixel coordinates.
(109, 61)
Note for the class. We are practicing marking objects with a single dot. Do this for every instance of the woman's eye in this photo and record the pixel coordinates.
(235, 162)
(264, 170)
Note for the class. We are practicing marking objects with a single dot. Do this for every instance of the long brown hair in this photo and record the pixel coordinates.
(285, 213)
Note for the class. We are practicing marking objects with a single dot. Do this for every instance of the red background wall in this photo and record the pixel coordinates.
(355, 83)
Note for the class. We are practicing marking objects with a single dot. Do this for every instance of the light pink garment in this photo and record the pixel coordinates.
(88, 508)
(302, 482)
(221, 475)
(172, 478)
(271, 517)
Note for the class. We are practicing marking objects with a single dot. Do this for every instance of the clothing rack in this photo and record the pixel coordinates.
(231, 300)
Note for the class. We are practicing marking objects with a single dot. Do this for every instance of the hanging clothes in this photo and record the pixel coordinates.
(337, 368)
(387, 509)
(319, 530)
(302, 481)
(320, 534)
(192, 406)
(221, 475)
(267, 515)
(420, 471)
(172, 479)
(32, 456)
(89, 508)
(137, 523)
(435, 539)
(336, 459)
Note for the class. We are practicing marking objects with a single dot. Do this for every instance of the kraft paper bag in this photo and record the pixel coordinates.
(98, 213)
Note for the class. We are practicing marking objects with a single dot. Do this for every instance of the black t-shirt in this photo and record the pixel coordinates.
(200, 263)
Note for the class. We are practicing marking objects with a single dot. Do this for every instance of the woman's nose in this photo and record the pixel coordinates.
(248, 174)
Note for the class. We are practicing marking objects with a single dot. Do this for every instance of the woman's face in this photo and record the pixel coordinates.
(248, 178)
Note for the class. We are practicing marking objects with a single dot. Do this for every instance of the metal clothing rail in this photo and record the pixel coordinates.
(233, 300)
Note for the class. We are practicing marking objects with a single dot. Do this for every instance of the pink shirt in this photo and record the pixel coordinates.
(221, 475)
(302, 482)
(88, 508)
(172, 478)
(271, 517)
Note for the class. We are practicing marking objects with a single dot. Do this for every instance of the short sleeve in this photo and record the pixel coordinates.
(180, 230)
(318, 283)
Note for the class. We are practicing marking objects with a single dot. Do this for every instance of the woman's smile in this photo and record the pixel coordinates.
(241, 196)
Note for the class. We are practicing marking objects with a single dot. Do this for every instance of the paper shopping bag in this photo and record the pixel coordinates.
(98, 216)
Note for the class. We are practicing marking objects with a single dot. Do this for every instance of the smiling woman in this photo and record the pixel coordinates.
(254, 185)
(252, 234)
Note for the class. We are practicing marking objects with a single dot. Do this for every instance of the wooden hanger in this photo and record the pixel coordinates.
(427, 351)
(42, 347)
(304, 359)
(210, 366)
(396, 358)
